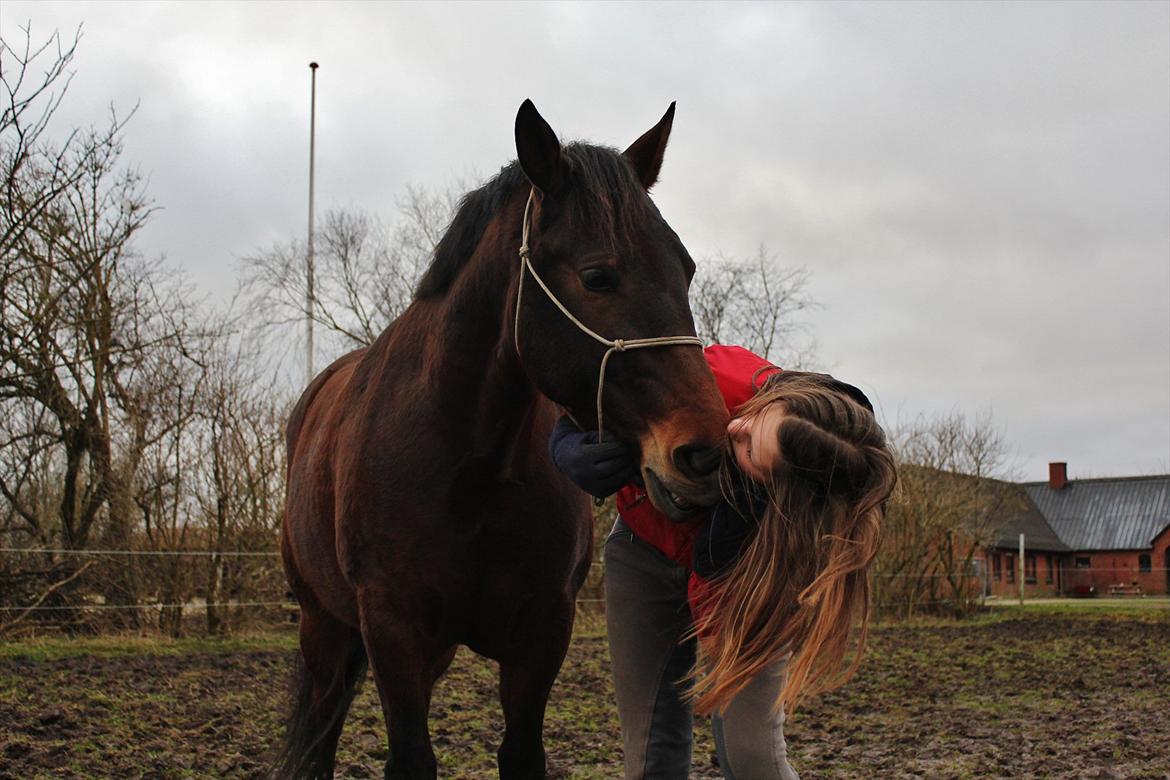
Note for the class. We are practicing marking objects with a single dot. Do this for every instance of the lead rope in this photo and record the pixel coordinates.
(615, 345)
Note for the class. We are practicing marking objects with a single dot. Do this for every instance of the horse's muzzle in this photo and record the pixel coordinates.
(678, 502)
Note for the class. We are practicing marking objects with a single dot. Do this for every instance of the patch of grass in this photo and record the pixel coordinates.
(1150, 610)
(1154, 608)
(57, 647)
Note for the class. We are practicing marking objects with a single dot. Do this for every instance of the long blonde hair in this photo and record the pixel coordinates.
(801, 581)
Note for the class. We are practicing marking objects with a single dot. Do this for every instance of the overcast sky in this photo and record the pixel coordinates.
(981, 192)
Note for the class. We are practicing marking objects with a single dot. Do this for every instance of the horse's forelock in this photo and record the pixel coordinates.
(607, 193)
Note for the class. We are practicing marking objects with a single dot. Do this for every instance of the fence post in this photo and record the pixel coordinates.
(986, 584)
(1021, 572)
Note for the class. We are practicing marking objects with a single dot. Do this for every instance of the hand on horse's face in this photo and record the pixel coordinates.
(600, 468)
(755, 441)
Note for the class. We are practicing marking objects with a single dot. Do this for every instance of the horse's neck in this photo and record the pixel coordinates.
(473, 348)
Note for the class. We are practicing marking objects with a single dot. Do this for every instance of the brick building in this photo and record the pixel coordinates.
(1100, 536)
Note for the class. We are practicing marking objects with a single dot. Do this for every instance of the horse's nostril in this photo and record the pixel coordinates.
(697, 460)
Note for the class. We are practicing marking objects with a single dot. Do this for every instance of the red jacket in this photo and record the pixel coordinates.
(739, 374)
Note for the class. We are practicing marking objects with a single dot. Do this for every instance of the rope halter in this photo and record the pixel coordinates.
(614, 345)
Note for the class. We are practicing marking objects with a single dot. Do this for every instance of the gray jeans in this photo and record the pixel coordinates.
(647, 615)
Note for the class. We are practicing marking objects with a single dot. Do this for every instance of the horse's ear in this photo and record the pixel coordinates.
(645, 154)
(538, 149)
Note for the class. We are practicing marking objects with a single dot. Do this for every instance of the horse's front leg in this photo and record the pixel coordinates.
(403, 660)
(527, 674)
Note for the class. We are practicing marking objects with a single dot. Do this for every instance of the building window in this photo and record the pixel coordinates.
(1010, 565)
(1144, 563)
(1083, 562)
(1030, 569)
(1048, 569)
(997, 566)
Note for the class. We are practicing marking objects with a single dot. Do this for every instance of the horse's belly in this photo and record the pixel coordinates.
(456, 555)
(527, 594)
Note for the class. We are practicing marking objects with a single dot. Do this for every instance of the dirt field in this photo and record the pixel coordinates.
(1058, 693)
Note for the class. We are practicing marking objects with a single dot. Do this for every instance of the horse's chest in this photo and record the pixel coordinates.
(462, 537)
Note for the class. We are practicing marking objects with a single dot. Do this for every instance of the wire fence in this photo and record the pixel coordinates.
(274, 554)
(972, 585)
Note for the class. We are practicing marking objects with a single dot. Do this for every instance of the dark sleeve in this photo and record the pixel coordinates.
(829, 381)
(563, 434)
(719, 543)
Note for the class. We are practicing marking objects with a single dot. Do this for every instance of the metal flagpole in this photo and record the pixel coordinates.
(310, 298)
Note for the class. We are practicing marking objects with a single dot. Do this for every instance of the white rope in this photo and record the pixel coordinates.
(615, 345)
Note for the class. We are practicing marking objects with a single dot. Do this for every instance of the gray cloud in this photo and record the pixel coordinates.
(981, 191)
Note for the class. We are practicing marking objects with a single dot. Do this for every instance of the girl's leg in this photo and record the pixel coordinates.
(647, 615)
(749, 736)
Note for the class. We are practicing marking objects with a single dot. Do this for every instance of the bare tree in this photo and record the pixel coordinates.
(755, 303)
(366, 270)
(92, 338)
(953, 498)
(241, 477)
(37, 172)
(69, 211)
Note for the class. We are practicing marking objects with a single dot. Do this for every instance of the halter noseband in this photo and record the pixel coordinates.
(615, 345)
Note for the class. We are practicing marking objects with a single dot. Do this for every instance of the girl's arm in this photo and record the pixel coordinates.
(598, 468)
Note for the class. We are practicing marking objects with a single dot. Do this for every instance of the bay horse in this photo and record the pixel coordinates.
(423, 511)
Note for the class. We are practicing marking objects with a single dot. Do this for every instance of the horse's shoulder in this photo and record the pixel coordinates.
(296, 419)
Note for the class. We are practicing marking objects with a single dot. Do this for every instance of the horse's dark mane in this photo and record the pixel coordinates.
(471, 219)
(618, 202)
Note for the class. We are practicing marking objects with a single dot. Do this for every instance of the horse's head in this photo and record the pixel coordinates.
(603, 249)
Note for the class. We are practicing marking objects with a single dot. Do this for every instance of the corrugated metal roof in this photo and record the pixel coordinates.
(1022, 517)
(1105, 514)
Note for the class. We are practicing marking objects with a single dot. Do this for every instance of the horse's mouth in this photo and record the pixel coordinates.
(681, 503)
(675, 506)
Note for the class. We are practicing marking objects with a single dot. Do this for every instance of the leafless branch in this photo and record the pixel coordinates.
(4, 627)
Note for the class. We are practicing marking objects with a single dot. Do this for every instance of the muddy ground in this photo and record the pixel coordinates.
(1036, 695)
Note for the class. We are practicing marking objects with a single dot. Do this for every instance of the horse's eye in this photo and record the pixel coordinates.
(599, 279)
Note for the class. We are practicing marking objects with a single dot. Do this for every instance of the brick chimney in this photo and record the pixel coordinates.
(1057, 475)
